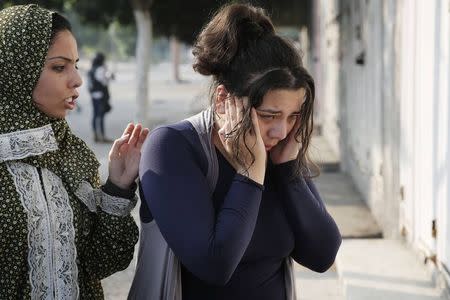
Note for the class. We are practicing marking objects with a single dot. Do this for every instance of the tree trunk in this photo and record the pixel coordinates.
(304, 46)
(143, 51)
(175, 49)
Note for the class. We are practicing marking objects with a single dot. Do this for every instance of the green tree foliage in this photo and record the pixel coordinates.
(182, 19)
(185, 19)
(288, 12)
(52, 4)
(104, 12)
(94, 12)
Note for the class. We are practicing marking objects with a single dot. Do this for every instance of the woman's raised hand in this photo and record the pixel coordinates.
(125, 155)
(252, 141)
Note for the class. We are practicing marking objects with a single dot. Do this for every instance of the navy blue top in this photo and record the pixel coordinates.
(233, 245)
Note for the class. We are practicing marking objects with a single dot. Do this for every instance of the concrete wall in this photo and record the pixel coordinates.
(358, 112)
(423, 84)
(442, 162)
(424, 97)
(382, 72)
(325, 52)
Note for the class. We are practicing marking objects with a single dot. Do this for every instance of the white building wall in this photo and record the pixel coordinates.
(425, 129)
(388, 115)
(357, 93)
(325, 68)
(442, 158)
(407, 99)
(388, 207)
(424, 96)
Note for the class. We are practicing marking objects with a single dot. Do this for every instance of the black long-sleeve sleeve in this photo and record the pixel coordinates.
(317, 238)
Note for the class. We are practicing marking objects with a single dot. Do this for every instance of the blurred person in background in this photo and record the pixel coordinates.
(98, 81)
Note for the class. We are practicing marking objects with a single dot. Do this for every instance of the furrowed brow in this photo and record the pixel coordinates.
(269, 111)
(63, 58)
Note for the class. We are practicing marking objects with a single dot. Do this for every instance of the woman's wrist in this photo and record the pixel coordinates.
(246, 179)
(254, 172)
(118, 183)
(112, 189)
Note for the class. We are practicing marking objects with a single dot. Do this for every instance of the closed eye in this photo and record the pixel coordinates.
(268, 117)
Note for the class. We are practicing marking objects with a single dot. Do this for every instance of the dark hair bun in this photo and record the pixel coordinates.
(233, 28)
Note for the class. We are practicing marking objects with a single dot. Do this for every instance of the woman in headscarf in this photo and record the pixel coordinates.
(60, 231)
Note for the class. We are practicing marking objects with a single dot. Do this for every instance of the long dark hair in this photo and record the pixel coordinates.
(59, 23)
(240, 49)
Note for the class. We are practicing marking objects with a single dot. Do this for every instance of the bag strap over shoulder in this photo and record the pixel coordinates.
(203, 123)
(158, 275)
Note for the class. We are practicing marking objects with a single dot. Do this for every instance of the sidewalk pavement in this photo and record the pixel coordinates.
(367, 267)
(374, 269)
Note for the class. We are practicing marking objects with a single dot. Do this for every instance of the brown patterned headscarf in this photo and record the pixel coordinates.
(25, 33)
